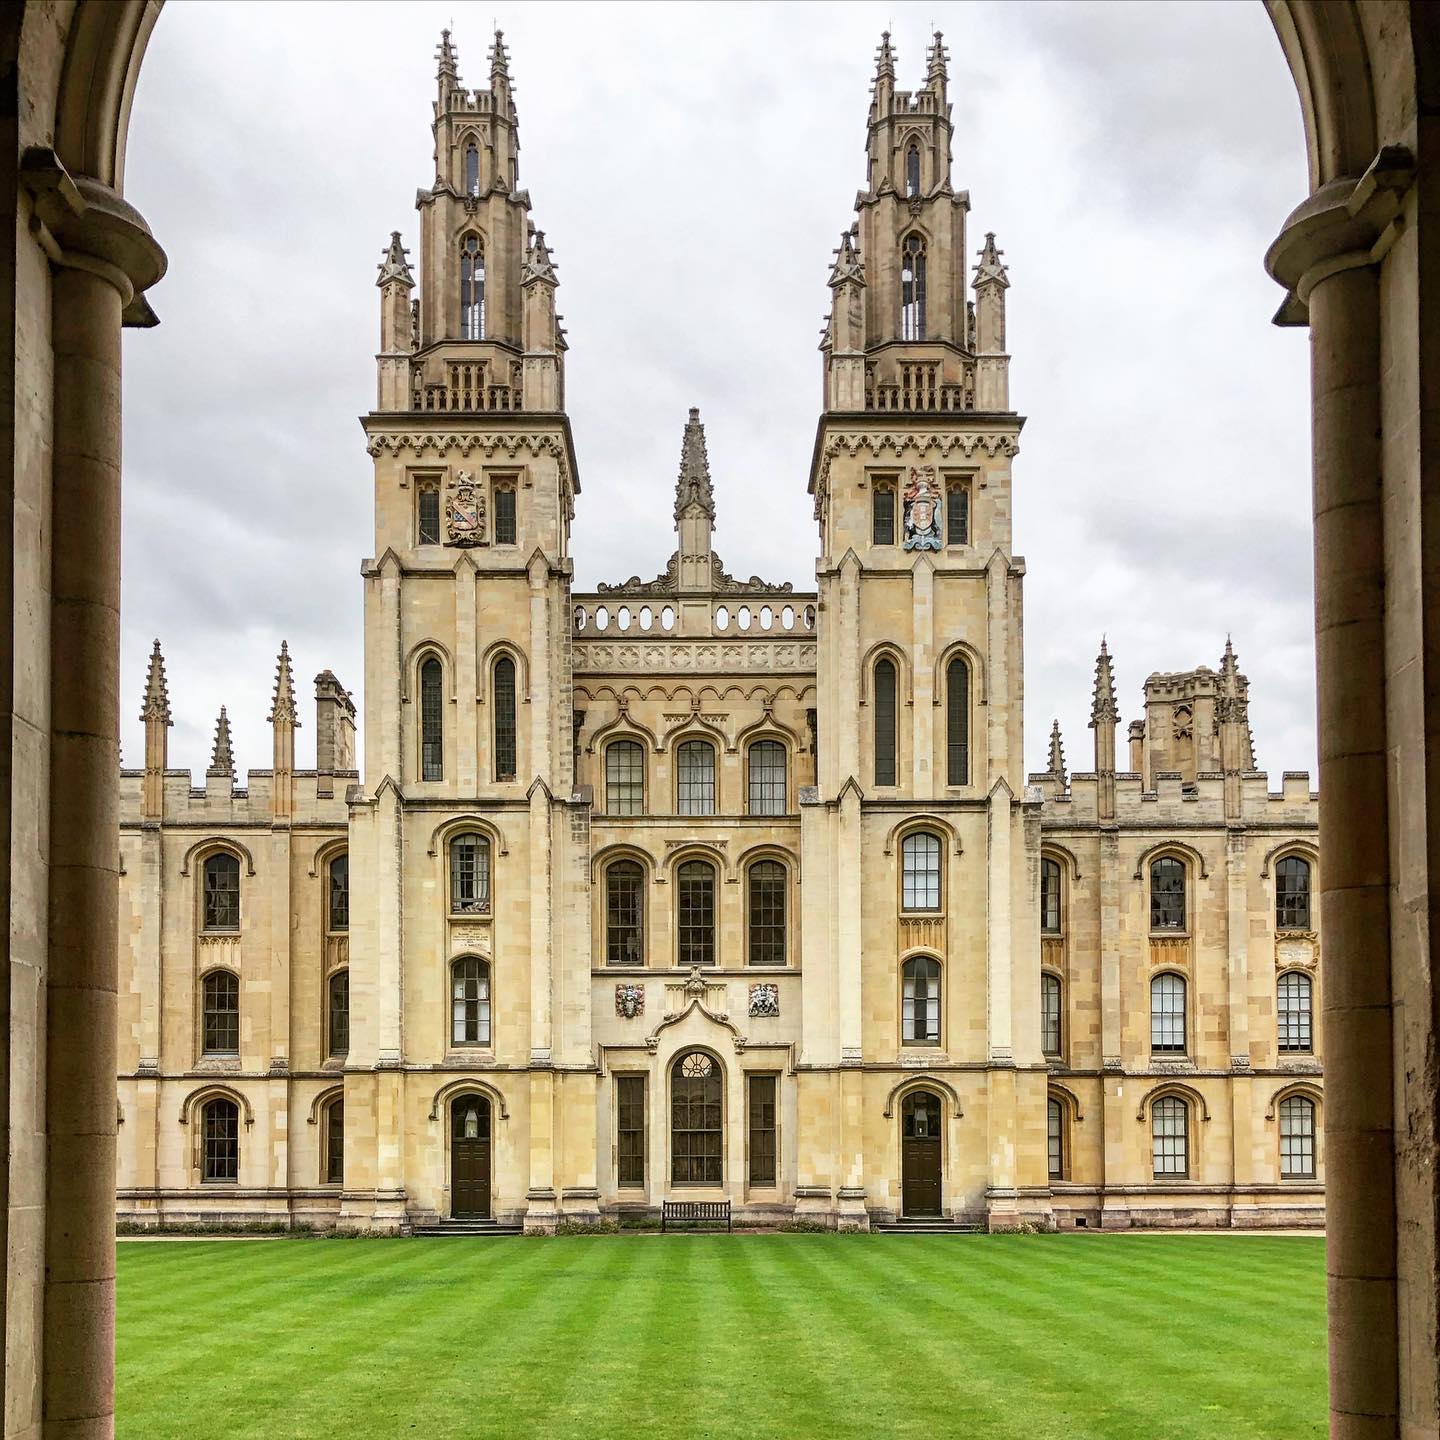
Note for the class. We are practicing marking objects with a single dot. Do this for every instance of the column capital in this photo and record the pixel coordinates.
(1347, 224)
(84, 225)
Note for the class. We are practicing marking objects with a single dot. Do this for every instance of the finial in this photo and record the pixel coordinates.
(395, 265)
(445, 54)
(537, 264)
(282, 704)
(1233, 699)
(222, 759)
(1057, 753)
(1103, 706)
(693, 485)
(156, 705)
(848, 264)
(935, 68)
(499, 55)
(884, 59)
(990, 270)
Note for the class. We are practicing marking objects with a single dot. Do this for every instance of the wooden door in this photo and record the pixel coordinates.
(920, 1154)
(470, 1158)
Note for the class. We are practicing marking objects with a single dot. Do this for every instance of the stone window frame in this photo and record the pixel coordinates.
(462, 252)
(624, 856)
(770, 737)
(643, 1076)
(485, 910)
(1196, 1112)
(1187, 1016)
(499, 656)
(788, 863)
(1187, 867)
(671, 1068)
(697, 738)
(1299, 973)
(1312, 1093)
(429, 482)
(904, 705)
(965, 482)
(325, 1116)
(678, 861)
(938, 1043)
(485, 1043)
(1275, 861)
(508, 480)
(1049, 858)
(330, 1050)
(776, 1077)
(1056, 1107)
(923, 826)
(420, 657)
(201, 867)
(625, 737)
(1048, 972)
(886, 481)
(201, 1009)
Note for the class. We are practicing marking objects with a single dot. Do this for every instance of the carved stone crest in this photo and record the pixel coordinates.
(765, 1001)
(922, 509)
(629, 1001)
(464, 511)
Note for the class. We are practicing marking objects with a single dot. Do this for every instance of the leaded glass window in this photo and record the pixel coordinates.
(470, 875)
(957, 722)
(630, 1131)
(1293, 1013)
(767, 913)
(503, 694)
(340, 893)
(427, 503)
(695, 789)
(920, 871)
(340, 1012)
(1050, 897)
(957, 515)
(912, 288)
(624, 778)
(1292, 894)
(882, 515)
(472, 289)
(335, 1143)
(1170, 1137)
(469, 1001)
(885, 739)
(920, 1018)
(696, 1121)
(1050, 1024)
(695, 901)
(1167, 894)
(220, 1004)
(762, 1129)
(1297, 1138)
(1055, 1138)
(505, 529)
(220, 1131)
(1167, 1014)
(624, 913)
(767, 778)
(432, 735)
(222, 893)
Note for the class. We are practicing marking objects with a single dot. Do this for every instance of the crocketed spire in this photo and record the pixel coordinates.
(537, 264)
(693, 486)
(396, 265)
(282, 704)
(499, 57)
(448, 65)
(1103, 707)
(990, 270)
(1057, 753)
(884, 60)
(157, 693)
(936, 72)
(848, 264)
(222, 758)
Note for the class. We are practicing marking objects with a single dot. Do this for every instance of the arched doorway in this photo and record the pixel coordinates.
(920, 1154)
(470, 1158)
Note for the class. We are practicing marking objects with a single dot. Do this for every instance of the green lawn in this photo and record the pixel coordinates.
(1144, 1337)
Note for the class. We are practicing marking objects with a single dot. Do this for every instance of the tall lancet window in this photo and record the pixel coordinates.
(912, 170)
(472, 289)
(912, 288)
(472, 169)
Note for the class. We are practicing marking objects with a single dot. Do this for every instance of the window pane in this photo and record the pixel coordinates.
(1050, 1014)
(1050, 897)
(470, 1002)
(624, 778)
(1293, 1013)
(428, 502)
(920, 1003)
(1170, 1134)
(222, 893)
(920, 872)
(767, 913)
(504, 696)
(696, 788)
(432, 749)
(220, 1162)
(912, 170)
(335, 1143)
(912, 289)
(1167, 895)
(1167, 1014)
(696, 1127)
(695, 899)
(472, 289)
(957, 515)
(220, 1003)
(957, 723)
(1292, 894)
(630, 1130)
(1297, 1138)
(624, 914)
(340, 893)
(885, 722)
(505, 516)
(470, 875)
(767, 778)
(340, 1013)
(762, 1130)
(882, 515)
(1055, 1138)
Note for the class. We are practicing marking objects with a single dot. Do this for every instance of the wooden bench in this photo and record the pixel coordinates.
(694, 1212)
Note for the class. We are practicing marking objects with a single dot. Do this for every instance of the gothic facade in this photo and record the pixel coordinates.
(699, 887)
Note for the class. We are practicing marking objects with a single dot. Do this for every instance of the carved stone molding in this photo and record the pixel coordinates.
(721, 657)
(944, 444)
(721, 582)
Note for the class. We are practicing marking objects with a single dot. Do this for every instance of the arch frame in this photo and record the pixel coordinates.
(323, 1099)
(485, 670)
(909, 1083)
(979, 680)
(1306, 850)
(1307, 1089)
(198, 1098)
(452, 1090)
(1188, 856)
(1193, 1097)
(202, 850)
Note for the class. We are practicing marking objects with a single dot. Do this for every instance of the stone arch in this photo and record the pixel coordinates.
(1188, 855)
(467, 1085)
(924, 821)
(904, 673)
(323, 1100)
(1306, 849)
(1188, 1093)
(190, 1106)
(1068, 1098)
(441, 835)
(415, 658)
(979, 692)
(202, 850)
(936, 1083)
(490, 655)
(1307, 1088)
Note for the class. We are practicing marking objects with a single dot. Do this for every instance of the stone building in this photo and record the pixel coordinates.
(546, 954)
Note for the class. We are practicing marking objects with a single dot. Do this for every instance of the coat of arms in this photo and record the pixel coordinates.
(629, 1001)
(764, 1001)
(922, 509)
(465, 511)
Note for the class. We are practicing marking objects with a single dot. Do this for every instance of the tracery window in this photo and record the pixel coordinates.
(335, 1142)
(920, 1001)
(339, 872)
(624, 913)
(503, 693)
(220, 1132)
(222, 892)
(1170, 1137)
(695, 788)
(1297, 1138)
(630, 1131)
(912, 170)
(1051, 1029)
(957, 722)
(1167, 1014)
(1167, 894)
(1293, 1013)
(1055, 1138)
(695, 921)
(220, 1011)
(767, 913)
(624, 778)
(1292, 894)
(920, 871)
(912, 288)
(696, 1121)
(767, 778)
(472, 289)
(882, 514)
(469, 1001)
(432, 735)
(339, 988)
(885, 725)
(470, 875)
(1050, 897)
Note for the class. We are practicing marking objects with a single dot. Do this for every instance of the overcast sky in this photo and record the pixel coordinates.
(692, 167)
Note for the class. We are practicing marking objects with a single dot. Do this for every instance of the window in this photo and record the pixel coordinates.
(630, 1131)
(762, 1129)
(885, 722)
(222, 893)
(1292, 894)
(767, 913)
(1050, 1023)
(882, 515)
(912, 288)
(1167, 894)
(220, 1002)
(340, 1013)
(957, 722)
(1170, 1137)
(1050, 897)
(921, 1002)
(220, 1132)
(1293, 1013)
(1297, 1138)
(767, 778)
(503, 693)
(472, 289)
(1167, 1014)
(696, 787)
(695, 1121)
(472, 169)
(624, 914)
(1055, 1138)
(427, 513)
(340, 894)
(957, 515)
(432, 738)
(470, 875)
(335, 1143)
(695, 897)
(505, 515)
(912, 170)
(624, 778)
(469, 1002)
(920, 871)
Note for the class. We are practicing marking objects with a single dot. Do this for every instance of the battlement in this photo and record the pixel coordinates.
(1174, 801)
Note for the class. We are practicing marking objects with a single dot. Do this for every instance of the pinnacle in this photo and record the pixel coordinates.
(445, 54)
(395, 265)
(1103, 706)
(848, 264)
(885, 59)
(991, 269)
(693, 485)
(156, 705)
(222, 759)
(1057, 753)
(282, 704)
(538, 263)
(499, 56)
(935, 68)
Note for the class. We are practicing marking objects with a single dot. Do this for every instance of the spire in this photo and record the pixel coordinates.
(693, 485)
(447, 74)
(990, 270)
(395, 265)
(222, 760)
(884, 60)
(282, 704)
(1057, 753)
(1103, 706)
(157, 692)
(499, 57)
(936, 73)
(848, 264)
(538, 264)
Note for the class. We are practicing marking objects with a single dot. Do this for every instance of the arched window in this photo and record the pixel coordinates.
(472, 289)
(220, 1002)
(1051, 1030)
(469, 1001)
(220, 1138)
(957, 722)
(432, 733)
(885, 739)
(695, 903)
(1055, 1138)
(470, 875)
(695, 784)
(1167, 894)
(1167, 1014)
(503, 692)
(1292, 894)
(696, 1121)
(339, 870)
(912, 170)
(1297, 1138)
(920, 871)
(222, 892)
(1293, 1013)
(339, 988)
(624, 778)
(1170, 1137)
(920, 1007)
(767, 913)
(912, 288)
(624, 914)
(472, 169)
(767, 778)
(1050, 897)
(335, 1142)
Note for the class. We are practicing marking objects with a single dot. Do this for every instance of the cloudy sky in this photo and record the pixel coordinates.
(693, 166)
